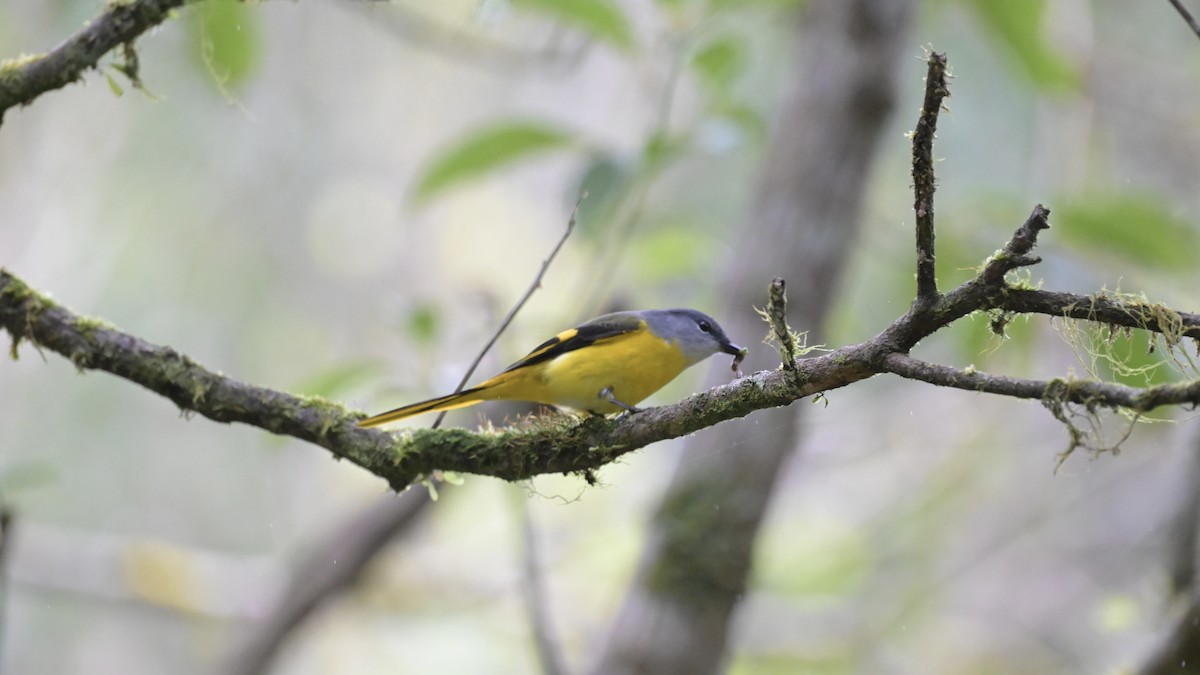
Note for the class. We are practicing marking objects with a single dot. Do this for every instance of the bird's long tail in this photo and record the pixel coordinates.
(460, 400)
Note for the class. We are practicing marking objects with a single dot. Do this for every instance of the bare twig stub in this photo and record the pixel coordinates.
(1016, 251)
(777, 316)
(924, 183)
(25, 78)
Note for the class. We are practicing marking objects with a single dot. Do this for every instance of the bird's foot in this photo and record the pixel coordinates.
(607, 394)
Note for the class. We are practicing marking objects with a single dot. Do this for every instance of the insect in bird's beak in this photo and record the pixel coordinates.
(739, 354)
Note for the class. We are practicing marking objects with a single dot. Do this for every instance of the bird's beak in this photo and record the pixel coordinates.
(730, 348)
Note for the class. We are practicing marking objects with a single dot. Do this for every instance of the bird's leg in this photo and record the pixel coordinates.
(607, 394)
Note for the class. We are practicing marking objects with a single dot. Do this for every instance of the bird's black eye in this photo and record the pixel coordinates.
(704, 326)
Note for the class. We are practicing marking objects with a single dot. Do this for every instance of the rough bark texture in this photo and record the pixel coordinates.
(676, 616)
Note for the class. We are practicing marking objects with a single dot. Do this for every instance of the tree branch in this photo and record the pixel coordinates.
(923, 178)
(26, 77)
(1084, 392)
(512, 454)
(1103, 307)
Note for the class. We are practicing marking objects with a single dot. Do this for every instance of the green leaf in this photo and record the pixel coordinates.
(112, 84)
(601, 19)
(1018, 25)
(1139, 228)
(719, 62)
(486, 150)
(225, 36)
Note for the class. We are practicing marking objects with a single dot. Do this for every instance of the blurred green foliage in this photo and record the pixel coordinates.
(423, 323)
(339, 380)
(603, 20)
(225, 40)
(673, 252)
(25, 475)
(720, 61)
(829, 562)
(1017, 24)
(484, 150)
(1133, 227)
(606, 182)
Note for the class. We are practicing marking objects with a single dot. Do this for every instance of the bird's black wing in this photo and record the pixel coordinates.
(599, 329)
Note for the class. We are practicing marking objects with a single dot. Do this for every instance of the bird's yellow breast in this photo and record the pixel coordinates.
(633, 366)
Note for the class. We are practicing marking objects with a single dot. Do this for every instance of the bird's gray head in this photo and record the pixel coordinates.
(698, 335)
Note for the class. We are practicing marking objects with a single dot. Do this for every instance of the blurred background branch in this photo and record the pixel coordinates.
(696, 559)
(333, 565)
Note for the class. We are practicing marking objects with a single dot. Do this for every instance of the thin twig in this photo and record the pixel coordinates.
(924, 182)
(512, 313)
(1187, 16)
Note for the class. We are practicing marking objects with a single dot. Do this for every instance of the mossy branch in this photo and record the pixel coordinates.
(402, 458)
(26, 77)
(558, 446)
(1090, 393)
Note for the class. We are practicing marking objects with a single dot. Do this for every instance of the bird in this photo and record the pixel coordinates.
(605, 365)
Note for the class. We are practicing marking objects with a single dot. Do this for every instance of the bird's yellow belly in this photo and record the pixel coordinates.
(633, 368)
